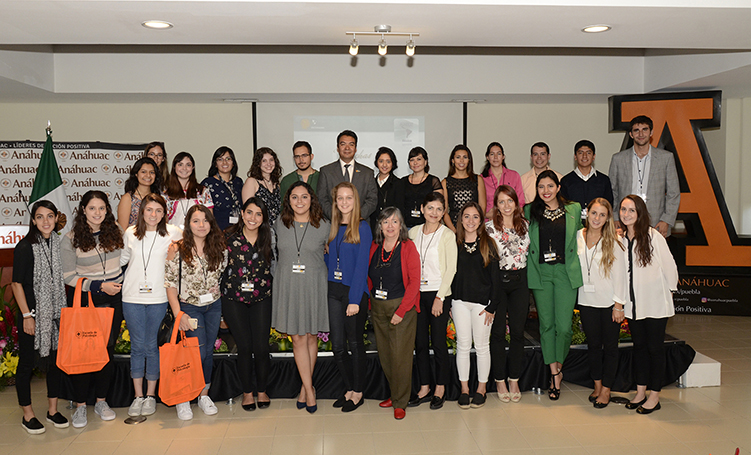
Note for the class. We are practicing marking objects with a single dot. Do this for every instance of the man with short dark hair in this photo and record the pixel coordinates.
(346, 169)
(302, 153)
(584, 183)
(540, 154)
(648, 172)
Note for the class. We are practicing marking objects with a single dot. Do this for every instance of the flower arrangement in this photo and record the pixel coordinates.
(282, 341)
(8, 337)
(122, 345)
(324, 344)
(579, 337)
(220, 345)
(451, 335)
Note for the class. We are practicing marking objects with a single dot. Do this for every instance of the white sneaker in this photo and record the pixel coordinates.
(136, 408)
(149, 406)
(103, 410)
(207, 406)
(79, 417)
(183, 411)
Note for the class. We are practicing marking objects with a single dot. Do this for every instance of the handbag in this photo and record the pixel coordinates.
(84, 334)
(181, 373)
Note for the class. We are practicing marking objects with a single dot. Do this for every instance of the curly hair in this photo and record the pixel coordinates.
(214, 245)
(488, 250)
(110, 235)
(352, 233)
(255, 167)
(131, 185)
(161, 227)
(641, 230)
(174, 188)
(288, 215)
(520, 224)
(263, 242)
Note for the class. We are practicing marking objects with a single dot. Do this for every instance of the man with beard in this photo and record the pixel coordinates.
(302, 152)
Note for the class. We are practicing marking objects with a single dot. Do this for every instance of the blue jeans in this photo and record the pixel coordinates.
(209, 317)
(143, 324)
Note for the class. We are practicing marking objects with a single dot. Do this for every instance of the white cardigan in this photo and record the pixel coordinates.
(652, 284)
(447, 254)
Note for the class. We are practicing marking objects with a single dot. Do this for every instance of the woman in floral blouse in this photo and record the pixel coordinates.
(246, 297)
(225, 186)
(193, 270)
(508, 228)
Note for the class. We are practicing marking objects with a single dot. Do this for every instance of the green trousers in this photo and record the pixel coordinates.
(555, 308)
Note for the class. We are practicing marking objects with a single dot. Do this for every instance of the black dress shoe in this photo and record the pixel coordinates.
(340, 402)
(249, 407)
(592, 398)
(463, 401)
(350, 405)
(643, 410)
(264, 404)
(599, 405)
(437, 402)
(417, 401)
(478, 400)
(631, 405)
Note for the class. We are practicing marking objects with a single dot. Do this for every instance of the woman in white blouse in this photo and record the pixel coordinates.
(597, 244)
(643, 292)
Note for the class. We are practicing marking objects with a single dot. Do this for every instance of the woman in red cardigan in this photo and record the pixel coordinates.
(394, 281)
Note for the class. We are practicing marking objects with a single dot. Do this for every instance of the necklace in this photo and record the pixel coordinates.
(553, 215)
(391, 253)
(589, 242)
(471, 249)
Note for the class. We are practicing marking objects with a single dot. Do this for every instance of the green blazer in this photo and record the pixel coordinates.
(573, 268)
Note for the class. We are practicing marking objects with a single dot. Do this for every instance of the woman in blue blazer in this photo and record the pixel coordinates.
(553, 270)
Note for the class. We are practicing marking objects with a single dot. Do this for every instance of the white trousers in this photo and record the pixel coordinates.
(470, 326)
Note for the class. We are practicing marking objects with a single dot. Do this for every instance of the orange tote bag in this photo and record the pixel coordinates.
(180, 371)
(84, 332)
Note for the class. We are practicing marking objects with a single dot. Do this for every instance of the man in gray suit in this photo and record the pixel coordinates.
(649, 173)
(345, 168)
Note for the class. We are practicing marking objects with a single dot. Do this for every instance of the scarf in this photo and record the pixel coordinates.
(49, 292)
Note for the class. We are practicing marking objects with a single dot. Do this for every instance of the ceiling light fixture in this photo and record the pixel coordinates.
(157, 25)
(383, 31)
(596, 28)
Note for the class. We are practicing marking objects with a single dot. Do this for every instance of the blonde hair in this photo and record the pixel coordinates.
(609, 237)
(352, 233)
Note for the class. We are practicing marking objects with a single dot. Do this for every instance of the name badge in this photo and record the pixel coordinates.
(247, 286)
(145, 288)
(298, 268)
(416, 213)
(584, 213)
(423, 281)
(549, 256)
(233, 220)
(206, 298)
(338, 275)
(588, 288)
(381, 294)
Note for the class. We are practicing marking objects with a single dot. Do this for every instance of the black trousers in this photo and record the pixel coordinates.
(515, 302)
(432, 330)
(26, 362)
(649, 351)
(602, 343)
(102, 378)
(348, 330)
(250, 326)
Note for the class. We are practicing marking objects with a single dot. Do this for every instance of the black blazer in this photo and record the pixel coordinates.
(391, 194)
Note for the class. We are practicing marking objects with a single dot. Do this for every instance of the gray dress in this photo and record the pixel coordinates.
(299, 300)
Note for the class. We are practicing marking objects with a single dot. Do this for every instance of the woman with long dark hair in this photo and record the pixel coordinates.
(436, 245)
(598, 244)
(39, 291)
(299, 296)
(246, 298)
(347, 261)
(225, 186)
(416, 186)
(643, 293)
(475, 295)
(192, 274)
(144, 179)
(495, 173)
(509, 229)
(390, 187)
(157, 152)
(91, 250)
(183, 190)
(264, 176)
(553, 270)
(144, 295)
(462, 185)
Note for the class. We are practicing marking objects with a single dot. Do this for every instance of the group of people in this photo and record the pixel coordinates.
(317, 251)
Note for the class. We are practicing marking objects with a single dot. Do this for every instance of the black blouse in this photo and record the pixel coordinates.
(413, 197)
(553, 236)
(474, 282)
(387, 275)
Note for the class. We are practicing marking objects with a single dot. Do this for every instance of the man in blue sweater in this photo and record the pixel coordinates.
(584, 183)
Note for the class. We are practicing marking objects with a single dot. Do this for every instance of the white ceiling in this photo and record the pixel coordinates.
(492, 27)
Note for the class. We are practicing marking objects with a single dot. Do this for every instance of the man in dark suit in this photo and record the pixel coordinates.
(346, 169)
(649, 173)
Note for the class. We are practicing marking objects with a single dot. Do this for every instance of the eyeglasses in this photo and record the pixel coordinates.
(301, 157)
(155, 155)
(226, 159)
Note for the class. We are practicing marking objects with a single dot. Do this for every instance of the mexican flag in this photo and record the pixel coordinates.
(49, 185)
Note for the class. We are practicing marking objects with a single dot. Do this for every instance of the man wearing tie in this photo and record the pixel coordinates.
(347, 169)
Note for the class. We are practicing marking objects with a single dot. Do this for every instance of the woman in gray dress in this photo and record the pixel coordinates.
(300, 288)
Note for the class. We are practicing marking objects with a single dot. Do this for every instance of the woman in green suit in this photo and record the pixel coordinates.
(553, 270)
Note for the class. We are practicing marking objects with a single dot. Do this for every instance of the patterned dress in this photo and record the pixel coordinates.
(459, 192)
(272, 200)
(227, 198)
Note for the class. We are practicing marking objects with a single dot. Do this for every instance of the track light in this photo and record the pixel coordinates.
(354, 46)
(382, 47)
(410, 47)
(382, 31)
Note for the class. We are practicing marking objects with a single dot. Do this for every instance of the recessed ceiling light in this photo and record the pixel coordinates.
(159, 25)
(596, 28)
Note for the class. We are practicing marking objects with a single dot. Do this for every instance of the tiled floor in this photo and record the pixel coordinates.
(713, 420)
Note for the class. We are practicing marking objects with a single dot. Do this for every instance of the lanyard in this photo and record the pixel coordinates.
(203, 269)
(639, 172)
(586, 256)
(48, 257)
(424, 253)
(299, 245)
(143, 254)
(231, 190)
(101, 260)
(339, 245)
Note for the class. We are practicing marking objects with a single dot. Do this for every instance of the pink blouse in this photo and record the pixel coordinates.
(508, 177)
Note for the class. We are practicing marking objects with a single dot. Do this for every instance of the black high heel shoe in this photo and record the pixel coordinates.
(554, 392)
